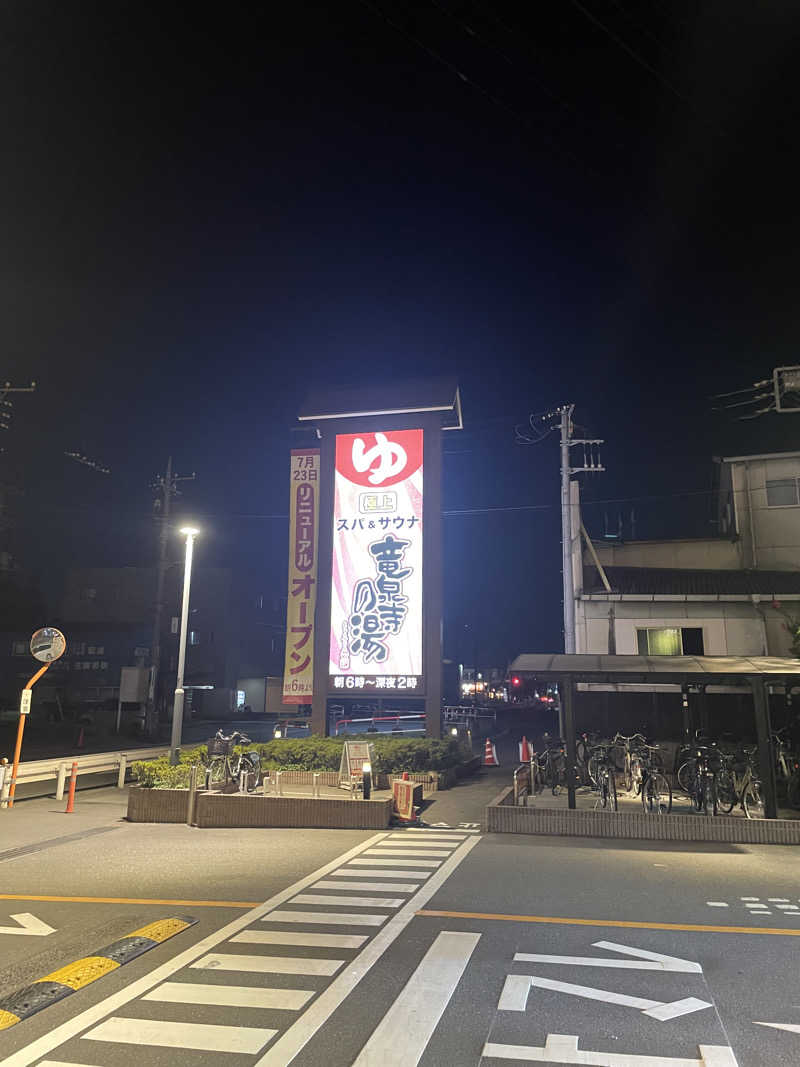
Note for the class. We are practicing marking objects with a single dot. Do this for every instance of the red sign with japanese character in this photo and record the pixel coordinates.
(298, 674)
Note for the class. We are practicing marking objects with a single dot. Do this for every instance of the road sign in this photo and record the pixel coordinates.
(48, 644)
(25, 702)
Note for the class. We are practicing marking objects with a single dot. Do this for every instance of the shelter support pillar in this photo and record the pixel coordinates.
(702, 706)
(766, 758)
(687, 720)
(567, 690)
(322, 619)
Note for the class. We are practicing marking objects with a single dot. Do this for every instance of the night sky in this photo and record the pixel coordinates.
(208, 213)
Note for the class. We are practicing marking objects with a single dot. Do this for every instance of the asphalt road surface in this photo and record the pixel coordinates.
(440, 946)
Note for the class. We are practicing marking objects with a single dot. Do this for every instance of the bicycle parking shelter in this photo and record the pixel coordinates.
(756, 673)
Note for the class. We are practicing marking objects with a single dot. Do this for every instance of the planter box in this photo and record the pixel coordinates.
(157, 805)
(251, 810)
(503, 818)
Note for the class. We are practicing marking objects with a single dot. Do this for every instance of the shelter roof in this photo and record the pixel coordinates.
(403, 398)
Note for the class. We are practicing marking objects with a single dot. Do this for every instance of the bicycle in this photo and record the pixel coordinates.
(654, 787)
(224, 764)
(707, 763)
(628, 746)
(604, 776)
(737, 783)
(554, 768)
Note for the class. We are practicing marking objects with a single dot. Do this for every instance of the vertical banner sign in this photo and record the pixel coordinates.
(298, 673)
(376, 594)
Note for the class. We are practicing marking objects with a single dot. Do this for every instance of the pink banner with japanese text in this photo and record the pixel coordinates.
(298, 673)
(376, 594)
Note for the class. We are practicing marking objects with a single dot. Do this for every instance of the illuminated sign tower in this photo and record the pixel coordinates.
(378, 616)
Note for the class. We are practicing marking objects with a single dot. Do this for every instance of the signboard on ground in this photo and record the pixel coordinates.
(354, 755)
(376, 595)
(403, 799)
(25, 702)
(298, 673)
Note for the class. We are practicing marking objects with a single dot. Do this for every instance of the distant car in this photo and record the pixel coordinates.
(291, 729)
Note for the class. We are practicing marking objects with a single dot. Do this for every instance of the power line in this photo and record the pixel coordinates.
(487, 93)
(637, 58)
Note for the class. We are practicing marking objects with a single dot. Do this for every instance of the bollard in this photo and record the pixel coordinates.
(279, 783)
(192, 795)
(73, 778)
(315, 786)
(5, 782)
(242, 781)
(265, 787)
(60, 781)
(123, 766)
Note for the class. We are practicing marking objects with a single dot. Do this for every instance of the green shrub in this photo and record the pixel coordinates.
(392, 756)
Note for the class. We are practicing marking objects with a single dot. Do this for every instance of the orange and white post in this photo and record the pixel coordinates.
(24, 711)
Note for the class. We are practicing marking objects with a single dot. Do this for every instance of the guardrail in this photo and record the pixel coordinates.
(57, 768)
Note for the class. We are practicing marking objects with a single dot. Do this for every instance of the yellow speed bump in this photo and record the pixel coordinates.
(66, 980)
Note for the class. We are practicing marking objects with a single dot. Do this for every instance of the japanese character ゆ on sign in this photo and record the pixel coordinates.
(376, 596)
(298, 675)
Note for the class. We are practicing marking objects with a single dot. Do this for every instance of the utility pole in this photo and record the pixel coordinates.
(566, 529)
(539, 426)
(166, 486)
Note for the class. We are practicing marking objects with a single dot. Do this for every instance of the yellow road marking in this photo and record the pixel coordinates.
(161, 929)
(7, 1018)
(134, 900)
(612, 922)
(80, 973)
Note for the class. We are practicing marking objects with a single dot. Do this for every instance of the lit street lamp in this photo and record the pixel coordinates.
(177, 709)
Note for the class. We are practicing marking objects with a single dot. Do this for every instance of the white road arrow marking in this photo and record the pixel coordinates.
(517, 986)
(793, 1028)
(647, 961)
(563, 1048)
(28, 924)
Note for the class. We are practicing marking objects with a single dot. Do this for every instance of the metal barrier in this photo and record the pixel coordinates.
(57, 768)
(522, 783)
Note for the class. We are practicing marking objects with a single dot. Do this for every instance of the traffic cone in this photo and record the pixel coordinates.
(524, 750)
(79, 742)
(489, 755)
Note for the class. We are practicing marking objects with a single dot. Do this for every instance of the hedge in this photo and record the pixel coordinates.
(392, 756)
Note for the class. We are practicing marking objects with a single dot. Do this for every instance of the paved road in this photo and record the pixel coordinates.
(441, 947)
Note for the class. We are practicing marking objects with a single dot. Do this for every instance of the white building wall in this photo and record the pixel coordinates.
(770, 537)
(729, 629)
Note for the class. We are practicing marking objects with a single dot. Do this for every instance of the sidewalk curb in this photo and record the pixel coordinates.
(66, 980)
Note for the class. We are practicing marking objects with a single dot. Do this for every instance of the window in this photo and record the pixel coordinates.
(194, 637)
(88, 592)
(77, 648)
(19, 648)
(100, 650)
(782, 493)
(90, 650)
(671, 641)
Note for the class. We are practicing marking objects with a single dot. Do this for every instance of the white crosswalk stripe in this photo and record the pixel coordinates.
(403, 852)
(377, 873)
(232, 996)
(299, 937)
(223, 961)
(348, 902)
(327, 918)
(395, 887)
(181, 1035)
(393, 863)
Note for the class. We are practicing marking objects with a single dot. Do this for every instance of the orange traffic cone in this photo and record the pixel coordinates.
(524, 750)
(489, 755)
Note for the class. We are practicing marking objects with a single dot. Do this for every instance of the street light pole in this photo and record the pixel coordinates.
(177, 708)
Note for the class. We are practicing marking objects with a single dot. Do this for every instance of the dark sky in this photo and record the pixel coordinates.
(206, 213)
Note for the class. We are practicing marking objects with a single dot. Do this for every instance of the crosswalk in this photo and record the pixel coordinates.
(266, 988)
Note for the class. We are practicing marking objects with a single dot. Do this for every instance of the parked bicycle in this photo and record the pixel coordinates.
(652, 784)
(603, 774)
(737, 783)
(707, 763)
(224, 764)
(624, 751)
